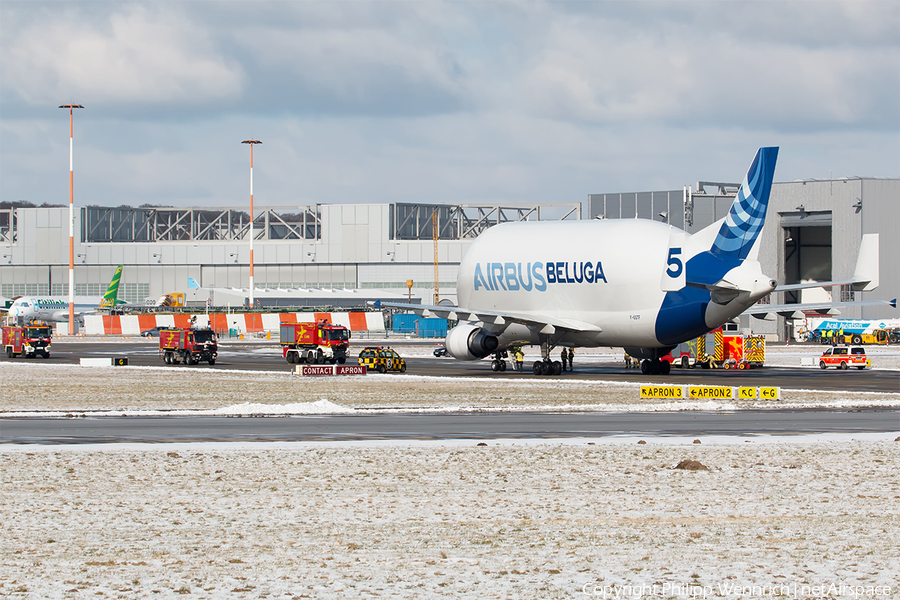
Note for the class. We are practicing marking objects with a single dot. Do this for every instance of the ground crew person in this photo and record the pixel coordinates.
(571, 356)
(627, 361)
(564, 356)
(520, 358)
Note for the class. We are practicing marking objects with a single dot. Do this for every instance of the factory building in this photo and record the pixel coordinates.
(335, 255)
(341, 255)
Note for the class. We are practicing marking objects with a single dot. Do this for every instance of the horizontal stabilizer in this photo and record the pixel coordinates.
(798, 311)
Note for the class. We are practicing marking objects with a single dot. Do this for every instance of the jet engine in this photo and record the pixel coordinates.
(470, 342)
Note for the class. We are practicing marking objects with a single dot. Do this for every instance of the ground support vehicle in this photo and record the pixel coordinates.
(187, 345)
(876, 336)
(28, 341)
(720, 350)
(376, 358)
(314, 343)
(684, 355)
(843, 358)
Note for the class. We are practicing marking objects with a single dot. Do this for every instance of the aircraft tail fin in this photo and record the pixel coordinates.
(110, 297)
(866, 275)
(747, 216)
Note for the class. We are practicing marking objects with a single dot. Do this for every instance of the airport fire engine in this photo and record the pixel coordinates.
(187, 345)
(29, 341)
(720, 350)
(314, 343)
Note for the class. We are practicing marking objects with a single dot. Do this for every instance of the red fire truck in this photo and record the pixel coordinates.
(314, 343)
(187, 345)
(29, 341)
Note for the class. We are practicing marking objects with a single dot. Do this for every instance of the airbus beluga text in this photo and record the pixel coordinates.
(633, 283)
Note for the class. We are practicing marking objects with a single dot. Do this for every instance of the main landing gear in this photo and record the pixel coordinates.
(547, 366)
(655, 367)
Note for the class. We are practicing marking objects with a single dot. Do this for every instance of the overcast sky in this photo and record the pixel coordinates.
(456, 102)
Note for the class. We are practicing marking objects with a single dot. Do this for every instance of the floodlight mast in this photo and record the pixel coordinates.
(71, 108)
(251, 142)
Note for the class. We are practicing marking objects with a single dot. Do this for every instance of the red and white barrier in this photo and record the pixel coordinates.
(223, 323)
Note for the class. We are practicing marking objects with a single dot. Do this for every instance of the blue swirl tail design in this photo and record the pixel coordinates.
(748, 213)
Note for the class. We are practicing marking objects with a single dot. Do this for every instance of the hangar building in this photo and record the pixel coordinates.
(813, 231)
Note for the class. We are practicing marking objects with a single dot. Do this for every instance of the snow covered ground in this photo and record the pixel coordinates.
(541, 520)
(798, 517)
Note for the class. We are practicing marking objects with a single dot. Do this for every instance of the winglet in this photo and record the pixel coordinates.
(748, 212)
(865, 276)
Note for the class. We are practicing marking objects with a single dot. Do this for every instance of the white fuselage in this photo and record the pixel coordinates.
(51, 309)
(602, 277)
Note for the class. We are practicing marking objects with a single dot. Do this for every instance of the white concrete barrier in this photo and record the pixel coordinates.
(109, 361)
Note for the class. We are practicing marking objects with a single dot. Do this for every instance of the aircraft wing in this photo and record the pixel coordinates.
(768, 312)
(545, 324)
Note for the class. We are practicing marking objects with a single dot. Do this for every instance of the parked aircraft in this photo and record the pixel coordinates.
(634, 283)
(56, 308)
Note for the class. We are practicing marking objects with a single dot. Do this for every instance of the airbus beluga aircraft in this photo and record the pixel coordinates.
(639, 284)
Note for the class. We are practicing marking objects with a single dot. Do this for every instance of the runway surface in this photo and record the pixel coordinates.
(469, 426)
(267, 356)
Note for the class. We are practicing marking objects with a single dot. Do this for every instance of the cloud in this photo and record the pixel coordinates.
(134, 55)
(438, 101)
(681, 71)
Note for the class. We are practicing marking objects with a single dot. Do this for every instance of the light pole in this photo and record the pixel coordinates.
(71, 108)
(251, 142)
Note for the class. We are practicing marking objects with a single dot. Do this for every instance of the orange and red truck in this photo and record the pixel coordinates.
(720, 350)
(188, 345)
(314, 343)
(29, 341)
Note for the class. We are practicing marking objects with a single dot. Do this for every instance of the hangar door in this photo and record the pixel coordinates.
(807, 248)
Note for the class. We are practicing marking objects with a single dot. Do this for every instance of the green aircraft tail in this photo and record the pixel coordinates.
(110, 297)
